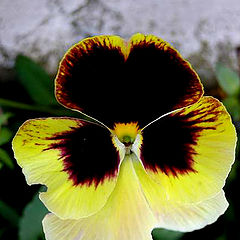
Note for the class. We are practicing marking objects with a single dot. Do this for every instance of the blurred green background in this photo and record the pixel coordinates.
(31, 95)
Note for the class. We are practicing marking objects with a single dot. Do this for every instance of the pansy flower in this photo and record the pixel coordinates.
(155, 152)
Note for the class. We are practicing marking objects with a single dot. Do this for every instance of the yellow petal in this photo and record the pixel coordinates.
(176, 215)
(190, 151)
(76, 160)
(125, 216)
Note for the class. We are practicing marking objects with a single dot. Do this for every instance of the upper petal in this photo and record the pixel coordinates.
(114, 81)
(190, 151)
(76, 160)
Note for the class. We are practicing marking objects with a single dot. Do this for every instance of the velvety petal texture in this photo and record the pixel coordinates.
(76, 160)
(190, 152)
(101, 76)
(125, 216)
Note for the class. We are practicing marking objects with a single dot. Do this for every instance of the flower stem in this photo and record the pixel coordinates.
(37, 108)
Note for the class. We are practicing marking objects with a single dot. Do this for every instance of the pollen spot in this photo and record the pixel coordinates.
(126, 132)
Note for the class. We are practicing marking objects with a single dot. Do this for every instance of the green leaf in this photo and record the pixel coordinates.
(54, 110)
(9, 214)
(30, 226)
(35, 80)
(223, 237)
(2, 232)
(228, 79)
(4, 117)
(233, 106)
(160, 234)
(5, 135)
(6, 159)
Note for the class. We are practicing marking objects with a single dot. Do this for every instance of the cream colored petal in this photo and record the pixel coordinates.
(125, 216)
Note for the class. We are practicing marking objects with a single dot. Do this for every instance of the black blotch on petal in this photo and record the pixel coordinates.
(168, 144)
(88, 155)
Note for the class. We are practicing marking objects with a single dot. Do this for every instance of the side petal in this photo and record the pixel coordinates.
(125, 216)
(76, 160)
(179, 216)
(190, 152)
(104, 76)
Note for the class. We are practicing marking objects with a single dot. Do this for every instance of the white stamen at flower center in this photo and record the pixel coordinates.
(126, 133)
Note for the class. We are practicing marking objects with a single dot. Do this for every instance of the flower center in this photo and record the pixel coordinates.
(126, 132)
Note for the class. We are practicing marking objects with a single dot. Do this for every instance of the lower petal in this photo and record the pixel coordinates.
(125, 216)
(176, 215)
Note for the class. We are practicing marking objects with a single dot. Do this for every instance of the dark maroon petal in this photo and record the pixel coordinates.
(111, 82)
(163, 80)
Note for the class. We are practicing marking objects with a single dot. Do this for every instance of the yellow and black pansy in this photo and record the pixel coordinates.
(156, 154)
